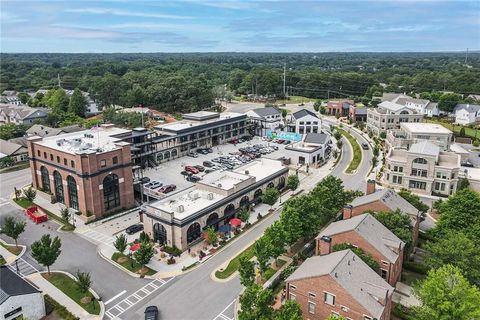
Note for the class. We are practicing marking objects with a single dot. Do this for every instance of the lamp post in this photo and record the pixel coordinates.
(130, 255)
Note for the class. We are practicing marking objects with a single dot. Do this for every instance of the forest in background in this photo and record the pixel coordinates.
(182, 82)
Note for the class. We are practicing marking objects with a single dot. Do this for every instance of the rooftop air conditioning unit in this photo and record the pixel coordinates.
(210, 196)
(180, 208)
(247, 172)
(193, 195)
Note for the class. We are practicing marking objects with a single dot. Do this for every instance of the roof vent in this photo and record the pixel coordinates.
(247, 172)
(336, 275)
(210, 196)
(219, 185)
(180, 208)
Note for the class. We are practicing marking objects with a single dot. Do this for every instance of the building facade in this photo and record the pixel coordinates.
(339, 108)
(180, 219)
(314, 150)
(411, 133)
(89, 171)
(389, 116)
(339, 284)
(303, 122)
(264, 120)
(21, 114)
(466, 113)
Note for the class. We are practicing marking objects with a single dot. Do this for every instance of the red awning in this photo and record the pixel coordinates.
(135, 247)
(235, 222)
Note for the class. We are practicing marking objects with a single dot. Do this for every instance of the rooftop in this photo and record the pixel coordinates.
(316, 138)
(190, 123)
(390, 198)
(424, 127)
(425, 147)
(268, 111)
(13, 285)
(9, 148)
(303, 113)
(352, 274)
(95, 140)
(391, 106)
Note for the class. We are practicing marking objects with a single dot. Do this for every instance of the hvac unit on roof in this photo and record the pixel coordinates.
(180, 208)
(193, 195)
(210, 196)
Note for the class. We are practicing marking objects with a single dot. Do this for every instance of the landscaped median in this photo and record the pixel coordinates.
(234, 264)
(25, 203)
(357, 151)
(71, 288)
(132, 265)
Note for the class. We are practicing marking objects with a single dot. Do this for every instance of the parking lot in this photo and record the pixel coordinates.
(170, 172)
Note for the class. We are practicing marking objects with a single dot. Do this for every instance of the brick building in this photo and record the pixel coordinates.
(89, 171)
(339, 107)
(339, 283)
(366, 233)
(383, 200)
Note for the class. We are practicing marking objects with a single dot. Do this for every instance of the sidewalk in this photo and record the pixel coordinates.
(55, 209)
(7, 255)
(48, 288)
(405, 295)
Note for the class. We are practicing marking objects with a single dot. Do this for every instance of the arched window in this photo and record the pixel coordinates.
(57, 180)
(193, 232)
(174, 153)
(281, 183)
(404, 112)
(258, 194)
(45, 179)
(111, 192)
(270, 185)
(229, 210)
(159, 157)
(212, 221)
(159, 234)
(166, 155)
(244, 202)
(420, 161)
(72, 192)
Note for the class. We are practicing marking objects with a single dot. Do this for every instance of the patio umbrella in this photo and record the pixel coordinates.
(235, 222)
(135, 247)
(225, 228)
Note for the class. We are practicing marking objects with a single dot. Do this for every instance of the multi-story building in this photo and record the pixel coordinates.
(89, 171)
(265, 120)
(339, 284)
(366, 233)
(21, 114)
(304, 121)
(314, 150)
(466, 113)
(410, 133)
(423, 106)
(389, 115)
(181, 218)
(200, 129)
(339, 108)
(423, 168)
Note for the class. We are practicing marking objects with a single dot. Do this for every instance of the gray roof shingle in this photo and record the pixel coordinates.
(390, 198)
(268, 111)
(468, 107)
(318, 138)
(303, 113)
(351, 273)
(13, 285)
(9, 148)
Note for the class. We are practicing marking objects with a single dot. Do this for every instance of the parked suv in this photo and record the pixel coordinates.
(208, 164)
(151, 313)
(193, 178)
(134, 229)
(191, 169)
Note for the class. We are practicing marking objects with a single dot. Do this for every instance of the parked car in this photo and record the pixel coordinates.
(153, 185)
(151, 313)
(208, 164)
(209, 150)
(185, 173)
(167, 188)
(287, 142)
(192, 154)
(193, 178)
(202, 151)
(144, 180)
(466, 164)
(191, 169)
(210, 170)
(134, 229)
(200, 168)
(365, 146)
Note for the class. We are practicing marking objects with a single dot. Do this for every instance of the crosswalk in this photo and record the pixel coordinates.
(22, 267)
(97, 237)
(3, 201)
(115, 311)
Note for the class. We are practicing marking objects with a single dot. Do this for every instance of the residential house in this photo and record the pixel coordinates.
(383, 200)
(367, 233)
(15, 151)
(265, 120)
(313, 150)
(21, 114)
(304, 121)
(423, 106)
(46, 131)
(341, 284)
(18, 298)
(389, 115)
(339, 107)
(466, 113)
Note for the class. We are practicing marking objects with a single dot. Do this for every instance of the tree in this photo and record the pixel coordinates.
(120, 243)
(292, 224)
(6, 162)
(57, 100)
(46, 250)
(143, 237)
(244, 214)
(247, 271)
(11, 130)
(271, 196)
(462, 132)
(275, 235)
(323, 110)
(256, 303)
(30, 193)
(293, 181)
(317, 105)
(335, 317)
(65, 213)
(463, 183)
(337, 135)
(83, 281)
(366, 257)
(23, 96)
(13, 228)
(458, 250)
(144, 254)
(414, 200)
(399, 224)
(77, 104)
(289, 311)
(284, 112)
(446, 294)
(448, 101)
(212, 236)
(262, 251)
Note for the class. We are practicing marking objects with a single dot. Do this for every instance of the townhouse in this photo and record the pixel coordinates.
(466, 113)
(304, 121)
(265, 120)
(21, 114)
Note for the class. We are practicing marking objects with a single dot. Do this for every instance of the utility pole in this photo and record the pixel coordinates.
(466, 57)
(284, 79)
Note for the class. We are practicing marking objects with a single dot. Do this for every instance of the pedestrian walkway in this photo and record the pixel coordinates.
(405, 296)
(95, 237)
(7, 255)
(47, 288)
(54, 208)
(22, 267)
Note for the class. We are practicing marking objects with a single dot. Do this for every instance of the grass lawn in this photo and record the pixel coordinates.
(234, 264)
(13, 249)
(128, 263)
(69, 286)
(469, 132)
(357, 152)
(2, 261)
(295, 99)
(25, 203)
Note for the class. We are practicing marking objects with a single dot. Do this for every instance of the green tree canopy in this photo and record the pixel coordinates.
(246, 271)
(289, 311)
(77, 104)
(271, 196)
(414, 200)
(46, 250)
(256, 303)
(292, 182)
(13, 228)
(144, 254)
(448, 101)
(120, 243)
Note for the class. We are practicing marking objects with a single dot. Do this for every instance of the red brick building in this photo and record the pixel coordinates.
(339, 283)
(366, 233)
(89, 171)
(339, 107)
(383, 200)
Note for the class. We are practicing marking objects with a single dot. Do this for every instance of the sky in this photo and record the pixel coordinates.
(242, 26)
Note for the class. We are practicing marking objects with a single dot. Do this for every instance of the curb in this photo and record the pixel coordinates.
(24, 249)
(99, 252)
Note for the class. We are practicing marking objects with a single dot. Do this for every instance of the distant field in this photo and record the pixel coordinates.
(295, 99)
(469, 132)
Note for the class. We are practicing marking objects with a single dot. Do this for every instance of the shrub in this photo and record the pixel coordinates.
(171, 260)
(174, 251)
(416, 267)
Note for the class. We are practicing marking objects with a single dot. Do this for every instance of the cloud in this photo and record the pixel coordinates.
(116, 12)
(232, 5)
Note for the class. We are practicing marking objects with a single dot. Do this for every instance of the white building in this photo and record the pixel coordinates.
(389, 115)
(264, 119)
(423, 106)
(413, 132)
(304, 121)
(466, 113)
(314, 150)
(18, 298)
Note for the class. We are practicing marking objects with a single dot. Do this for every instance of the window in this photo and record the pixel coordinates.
(103, 163)
(45, 179)
(420, 161)
(417, 185)
(72, 192)
(367, 318)
(51, 157)
(45, 155)
(311, 307)
(111, 192)
(293, 287)
(329, 298)
(58, 159)
(384, 273)
(292, 297)
(72, 163)
(57, 179)
(344, 309)
(312, 295)
(38, 153)
(64, 161)
(419, 172)
(115, 160)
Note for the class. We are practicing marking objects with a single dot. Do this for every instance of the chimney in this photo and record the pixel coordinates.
(347, 212)
(370, 186)
(324, 245)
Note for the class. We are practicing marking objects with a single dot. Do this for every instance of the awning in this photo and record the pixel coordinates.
(135, 247)
(235, 222)
(225, 228)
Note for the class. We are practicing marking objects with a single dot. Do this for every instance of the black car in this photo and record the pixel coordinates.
(200, 168)
(145, 180)
(134, 229)
(209, 150)
(208, 164)
(151, 313)
(193, 178)
(365, 146)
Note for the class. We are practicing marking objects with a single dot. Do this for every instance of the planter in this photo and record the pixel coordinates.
(86, 219)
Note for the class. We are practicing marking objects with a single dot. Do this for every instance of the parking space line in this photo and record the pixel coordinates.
(221, 316)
